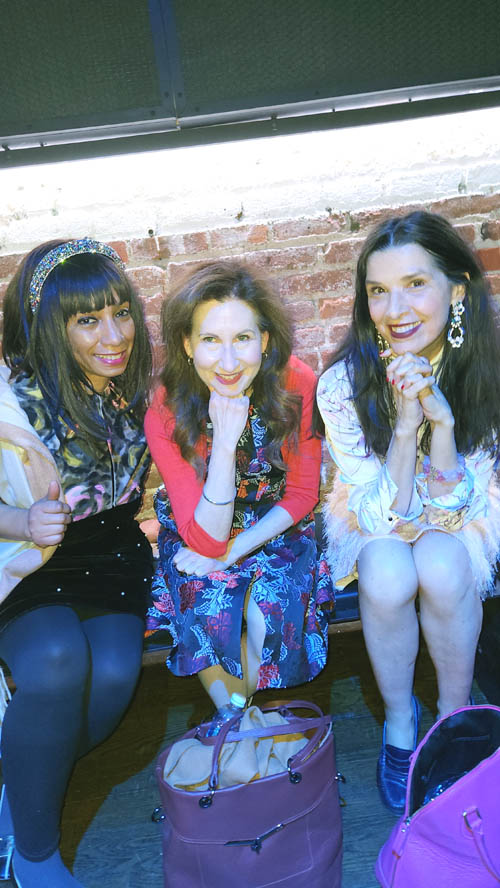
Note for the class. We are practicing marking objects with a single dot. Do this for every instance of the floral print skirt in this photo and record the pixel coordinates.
(288, 579)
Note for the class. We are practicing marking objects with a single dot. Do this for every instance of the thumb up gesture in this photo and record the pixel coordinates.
(48, 518)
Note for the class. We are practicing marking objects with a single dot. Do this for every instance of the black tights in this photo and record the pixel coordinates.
(74, 680)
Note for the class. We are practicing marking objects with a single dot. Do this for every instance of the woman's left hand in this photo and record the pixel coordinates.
(407, 372)
(189, 562)
(435, 406)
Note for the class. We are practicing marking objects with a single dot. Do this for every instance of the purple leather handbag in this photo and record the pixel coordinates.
(284, 830)
(449, 834)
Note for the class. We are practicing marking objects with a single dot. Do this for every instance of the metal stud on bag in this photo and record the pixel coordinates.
(158, 816)
(294, 776)
(206, 801)
(455, 330)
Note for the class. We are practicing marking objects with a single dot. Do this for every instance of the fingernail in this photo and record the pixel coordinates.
(392, 381)
(402, 387)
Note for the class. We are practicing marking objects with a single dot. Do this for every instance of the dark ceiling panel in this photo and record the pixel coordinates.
(249, 54)
(65, 64)
(104, 70)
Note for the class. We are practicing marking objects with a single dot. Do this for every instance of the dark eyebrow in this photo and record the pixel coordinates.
(417, 273)
(208, 333)
(407, 277)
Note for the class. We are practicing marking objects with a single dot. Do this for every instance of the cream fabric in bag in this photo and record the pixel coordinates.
(189, 762)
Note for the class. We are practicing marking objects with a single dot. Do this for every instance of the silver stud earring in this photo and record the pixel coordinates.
(190, 361)
(455, 330)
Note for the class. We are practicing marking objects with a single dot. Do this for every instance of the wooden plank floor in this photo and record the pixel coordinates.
(108, 836)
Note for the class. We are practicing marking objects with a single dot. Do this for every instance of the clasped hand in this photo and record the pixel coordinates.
(416, 393)
(48, 518)
(228, 416)
(189, 562)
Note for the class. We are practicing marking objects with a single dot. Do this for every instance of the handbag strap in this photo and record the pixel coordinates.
(414, 760)
(295, 725)
(286, 705)
(474, 825)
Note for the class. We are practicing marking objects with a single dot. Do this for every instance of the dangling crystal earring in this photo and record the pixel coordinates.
(455, 330)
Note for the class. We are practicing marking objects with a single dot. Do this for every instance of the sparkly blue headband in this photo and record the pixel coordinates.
(60, 254)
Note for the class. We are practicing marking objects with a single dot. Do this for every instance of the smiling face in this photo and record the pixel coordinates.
(226, 345)
(409, 299)
(102, 342)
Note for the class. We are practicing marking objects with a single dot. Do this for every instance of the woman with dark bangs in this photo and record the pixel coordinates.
(75, 566)
(411, 406)
(240, 585)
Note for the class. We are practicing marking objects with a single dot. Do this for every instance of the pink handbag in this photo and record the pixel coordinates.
(449, 834)
(283, 830)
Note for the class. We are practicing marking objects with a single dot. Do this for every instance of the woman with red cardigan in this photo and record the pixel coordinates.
(240, 584)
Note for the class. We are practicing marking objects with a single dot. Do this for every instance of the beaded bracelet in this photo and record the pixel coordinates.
(214, 503)
(434, 474)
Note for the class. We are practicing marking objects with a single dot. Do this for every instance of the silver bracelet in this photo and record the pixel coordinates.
(213, 503)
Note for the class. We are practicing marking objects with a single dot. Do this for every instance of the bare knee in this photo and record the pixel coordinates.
(387, 576)
(444, 572)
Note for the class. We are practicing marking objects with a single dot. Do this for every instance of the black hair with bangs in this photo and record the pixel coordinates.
(36, 343)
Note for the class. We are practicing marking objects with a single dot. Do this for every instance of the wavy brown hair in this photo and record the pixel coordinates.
(187, 396)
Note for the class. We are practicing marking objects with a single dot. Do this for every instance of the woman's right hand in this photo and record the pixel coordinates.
(48, 518)
(228, 416)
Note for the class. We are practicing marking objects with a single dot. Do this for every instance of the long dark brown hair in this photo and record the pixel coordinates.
(187, 395)
(469, 377)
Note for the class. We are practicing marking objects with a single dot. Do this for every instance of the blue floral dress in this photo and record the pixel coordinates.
(287, 577)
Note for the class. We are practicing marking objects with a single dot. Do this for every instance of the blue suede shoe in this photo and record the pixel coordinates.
(393, 766)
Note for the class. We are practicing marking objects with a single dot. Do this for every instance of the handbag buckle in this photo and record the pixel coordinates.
(256, 844)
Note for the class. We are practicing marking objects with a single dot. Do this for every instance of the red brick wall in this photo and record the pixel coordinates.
(311, 261)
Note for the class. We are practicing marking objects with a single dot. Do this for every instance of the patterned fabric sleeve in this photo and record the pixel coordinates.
(91, 484)
(372, 488)
(469, 497)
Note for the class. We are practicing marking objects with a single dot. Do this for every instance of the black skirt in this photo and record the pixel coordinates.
(104, 564)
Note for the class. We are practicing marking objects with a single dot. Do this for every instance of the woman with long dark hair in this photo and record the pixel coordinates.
(411, 406)
(75, 567)
(240, 585)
